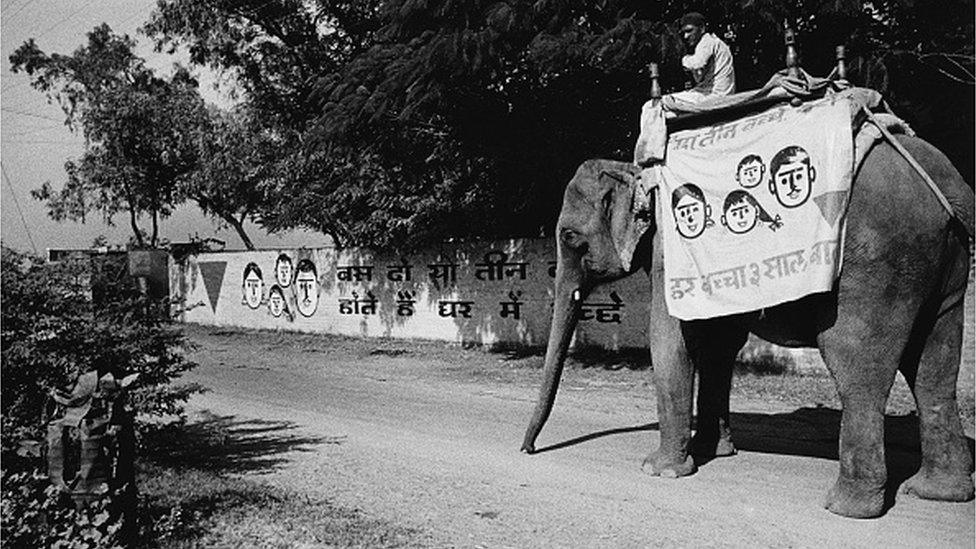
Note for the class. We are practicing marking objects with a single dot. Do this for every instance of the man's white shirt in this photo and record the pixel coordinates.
(711, 66)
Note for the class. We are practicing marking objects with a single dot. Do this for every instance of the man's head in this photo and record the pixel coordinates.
(692, 28)
(791, 176)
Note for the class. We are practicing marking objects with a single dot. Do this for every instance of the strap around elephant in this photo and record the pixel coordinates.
(921, 171)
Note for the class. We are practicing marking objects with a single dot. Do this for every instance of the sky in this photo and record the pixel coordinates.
(34, 143)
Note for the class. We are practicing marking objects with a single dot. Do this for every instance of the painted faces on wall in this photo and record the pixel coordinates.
(283, 270)
(253, 286)
(306, 288)
(277, 303)
(791, 176)
(691, 214)
(750, 171)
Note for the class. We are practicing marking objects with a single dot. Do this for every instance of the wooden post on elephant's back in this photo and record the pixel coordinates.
(792, 66)
(655, 84)
(789, 39)
(841, 64)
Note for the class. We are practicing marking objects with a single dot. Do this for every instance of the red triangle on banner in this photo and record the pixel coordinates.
(832, 205)
(213, 278)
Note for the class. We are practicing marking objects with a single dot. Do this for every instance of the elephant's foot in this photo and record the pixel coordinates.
(849, 498)
(658, 465)
(712, 445)
(939, 485)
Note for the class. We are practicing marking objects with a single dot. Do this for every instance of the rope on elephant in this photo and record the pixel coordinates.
(921, 171)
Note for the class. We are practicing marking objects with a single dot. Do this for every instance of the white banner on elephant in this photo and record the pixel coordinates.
(752, 210)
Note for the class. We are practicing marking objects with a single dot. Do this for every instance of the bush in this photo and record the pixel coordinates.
(35, 515)
(60, 320)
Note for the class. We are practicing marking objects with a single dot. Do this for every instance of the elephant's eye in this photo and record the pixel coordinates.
(570, 237)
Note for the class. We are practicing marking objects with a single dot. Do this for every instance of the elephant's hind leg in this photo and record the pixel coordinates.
(864, 373)
(946, 462)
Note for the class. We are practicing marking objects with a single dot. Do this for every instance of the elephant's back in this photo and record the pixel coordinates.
(892, 211)
(887, 181)
(945, 175)
(894, 218)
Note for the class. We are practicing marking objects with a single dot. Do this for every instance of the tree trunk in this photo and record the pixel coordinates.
(154, 239)
(135, 227)
(238, 225)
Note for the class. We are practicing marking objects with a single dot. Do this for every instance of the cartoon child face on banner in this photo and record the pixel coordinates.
(691, 214)
(253, 286)
(791, 176)
(742, 211)
(277, 304)
(283, 270)
(306, 288)
(750, 171)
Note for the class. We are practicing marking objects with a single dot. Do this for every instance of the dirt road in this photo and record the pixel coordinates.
(427, 436)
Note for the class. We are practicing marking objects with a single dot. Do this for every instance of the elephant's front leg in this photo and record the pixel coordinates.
(674, 377)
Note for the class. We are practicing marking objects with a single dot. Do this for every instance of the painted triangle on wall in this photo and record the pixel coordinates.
(213, 278)
(831, 205)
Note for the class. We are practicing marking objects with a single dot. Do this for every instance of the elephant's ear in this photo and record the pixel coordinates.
(629, 207)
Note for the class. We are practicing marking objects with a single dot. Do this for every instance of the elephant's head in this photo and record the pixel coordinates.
(595, 238)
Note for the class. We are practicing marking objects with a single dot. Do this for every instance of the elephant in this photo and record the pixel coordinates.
(898, 305)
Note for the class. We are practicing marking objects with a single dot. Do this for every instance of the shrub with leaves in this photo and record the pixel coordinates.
(34, 515)
(66, 318)
(60, 320)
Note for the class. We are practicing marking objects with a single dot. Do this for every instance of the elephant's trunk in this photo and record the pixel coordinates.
(570, 293)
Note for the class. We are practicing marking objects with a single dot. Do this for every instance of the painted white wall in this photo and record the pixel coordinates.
(488, 274)
(485, 326)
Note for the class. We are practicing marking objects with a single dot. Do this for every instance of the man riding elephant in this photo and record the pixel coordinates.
(709, 61)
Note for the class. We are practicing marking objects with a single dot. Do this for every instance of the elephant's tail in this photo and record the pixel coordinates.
(961, 199)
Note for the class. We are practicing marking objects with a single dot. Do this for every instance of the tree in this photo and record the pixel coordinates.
(439, 118)
(236, 160)
(276, 50)
(530, 89)
(138, 129)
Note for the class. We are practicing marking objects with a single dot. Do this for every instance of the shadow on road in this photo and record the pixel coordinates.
(596, 435)
(226, 444)
(814, 432)
(807, 432)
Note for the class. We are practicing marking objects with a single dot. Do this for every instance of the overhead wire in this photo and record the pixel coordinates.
(39, 142)
(11, 5)
(32, 129)
(127, 20)
(66, 19)
(20, 9)
(13, 194)
(10, 85)
(25, 113)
